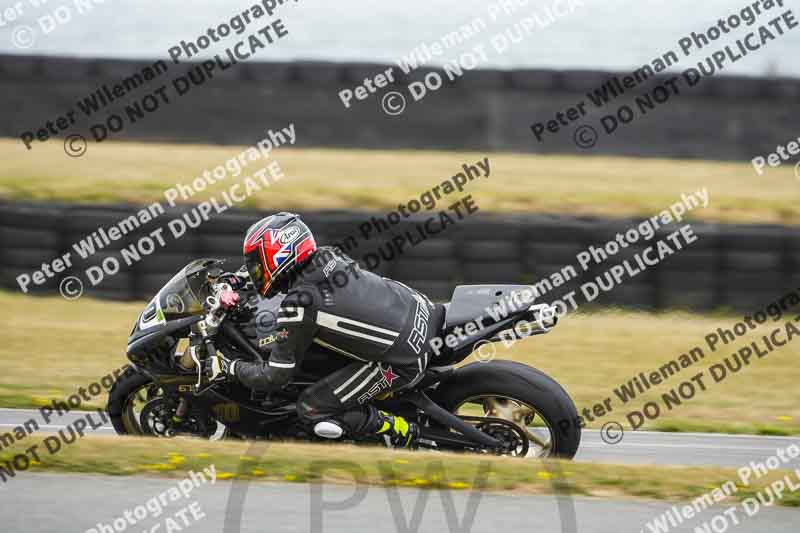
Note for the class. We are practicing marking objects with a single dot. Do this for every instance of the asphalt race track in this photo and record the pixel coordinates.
(641, 447)
(67, 504)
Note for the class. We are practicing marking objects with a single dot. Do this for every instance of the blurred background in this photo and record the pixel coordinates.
(543, 203)
(609, 36)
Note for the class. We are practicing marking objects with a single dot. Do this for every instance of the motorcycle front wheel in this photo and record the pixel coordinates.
(138, 406)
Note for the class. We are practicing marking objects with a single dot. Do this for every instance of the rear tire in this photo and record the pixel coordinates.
(514, 380)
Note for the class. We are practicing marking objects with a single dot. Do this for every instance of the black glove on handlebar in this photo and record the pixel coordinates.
(218, 367)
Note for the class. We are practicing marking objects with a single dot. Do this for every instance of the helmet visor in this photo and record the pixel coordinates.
(258, 275)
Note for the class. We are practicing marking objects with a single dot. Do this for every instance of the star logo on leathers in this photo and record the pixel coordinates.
(385, 383)
(388, 375)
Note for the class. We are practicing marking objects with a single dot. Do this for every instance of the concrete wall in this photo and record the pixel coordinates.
(721, 118)
(742, 267)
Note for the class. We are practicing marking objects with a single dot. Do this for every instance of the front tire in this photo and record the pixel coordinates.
(474, 384)
(138, 406)
(120, 401)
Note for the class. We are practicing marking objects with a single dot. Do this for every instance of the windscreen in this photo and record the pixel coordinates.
(181, 296)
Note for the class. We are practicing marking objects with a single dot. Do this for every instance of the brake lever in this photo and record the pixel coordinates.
(196, 359)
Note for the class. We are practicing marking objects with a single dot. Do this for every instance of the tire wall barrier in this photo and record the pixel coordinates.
(723, 117)
(739, 267)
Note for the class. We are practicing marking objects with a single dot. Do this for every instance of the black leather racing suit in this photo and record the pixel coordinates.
(382, 324)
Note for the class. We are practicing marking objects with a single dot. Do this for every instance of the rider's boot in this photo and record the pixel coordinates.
(367, 420)
(401, 432)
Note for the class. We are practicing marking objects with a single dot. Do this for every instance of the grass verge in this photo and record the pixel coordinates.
(379, 179)
(336, 463)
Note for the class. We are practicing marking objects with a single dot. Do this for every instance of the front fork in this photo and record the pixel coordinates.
(181, 410)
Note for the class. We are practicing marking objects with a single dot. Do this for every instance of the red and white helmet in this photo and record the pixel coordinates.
(273, 246)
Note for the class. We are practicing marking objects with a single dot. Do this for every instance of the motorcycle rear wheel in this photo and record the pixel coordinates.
(520, 394)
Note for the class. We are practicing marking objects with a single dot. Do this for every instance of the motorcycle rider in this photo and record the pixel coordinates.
(382, 324)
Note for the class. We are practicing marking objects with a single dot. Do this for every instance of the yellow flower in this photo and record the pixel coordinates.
(202, 455)
(784, 418)
(38, 400)
(289, 477)
(544, 475)
(458, 485)
(422, 482)
(258, 472)
(225, 475)
(159, 466)
(176, 459)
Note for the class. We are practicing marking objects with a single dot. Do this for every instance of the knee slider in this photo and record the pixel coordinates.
(328, 429)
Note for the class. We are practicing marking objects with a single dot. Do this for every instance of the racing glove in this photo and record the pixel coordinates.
(219, 368)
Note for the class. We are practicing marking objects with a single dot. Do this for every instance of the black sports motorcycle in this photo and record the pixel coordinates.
(486, 406)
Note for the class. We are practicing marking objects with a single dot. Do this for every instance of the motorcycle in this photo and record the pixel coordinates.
(486, 406)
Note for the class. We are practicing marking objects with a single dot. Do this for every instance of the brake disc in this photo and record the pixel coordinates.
(514, 439)
(158, 419)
